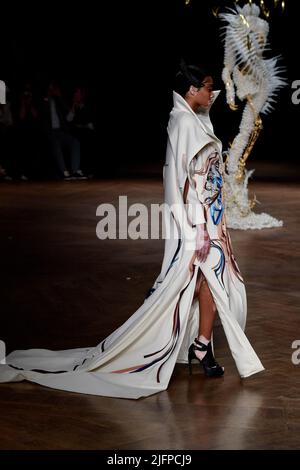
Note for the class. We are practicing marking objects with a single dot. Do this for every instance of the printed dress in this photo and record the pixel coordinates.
(206, 186)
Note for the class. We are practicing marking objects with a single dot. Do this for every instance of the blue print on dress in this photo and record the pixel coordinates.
(213, 186)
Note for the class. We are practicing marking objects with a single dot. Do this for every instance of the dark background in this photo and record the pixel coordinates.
(127, 52)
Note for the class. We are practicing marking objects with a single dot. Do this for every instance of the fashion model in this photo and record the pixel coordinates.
(199, 277)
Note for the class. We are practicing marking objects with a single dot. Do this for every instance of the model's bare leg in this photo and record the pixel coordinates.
(208, 310)
(201, 348)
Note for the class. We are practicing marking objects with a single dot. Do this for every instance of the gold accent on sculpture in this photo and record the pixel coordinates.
(215, 11)
(243, 211)
(233, 106)
(244, 20)
(252, 139)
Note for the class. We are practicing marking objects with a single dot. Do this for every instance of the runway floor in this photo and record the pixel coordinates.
(62, 287)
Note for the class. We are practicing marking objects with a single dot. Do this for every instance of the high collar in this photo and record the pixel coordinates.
(180, 104)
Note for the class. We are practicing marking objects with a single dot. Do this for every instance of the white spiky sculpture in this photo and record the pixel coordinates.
(256, 81)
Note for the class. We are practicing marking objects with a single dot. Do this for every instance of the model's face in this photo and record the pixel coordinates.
(204, 94)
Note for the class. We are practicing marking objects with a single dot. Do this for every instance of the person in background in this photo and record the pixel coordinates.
(82, 127)
(65, 148)
(28, 145)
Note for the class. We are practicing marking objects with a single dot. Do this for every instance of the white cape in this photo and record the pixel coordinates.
(138, 358)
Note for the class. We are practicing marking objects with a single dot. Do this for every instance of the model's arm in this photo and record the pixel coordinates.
(197, 179)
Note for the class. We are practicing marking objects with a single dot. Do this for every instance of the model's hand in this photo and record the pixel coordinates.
(202, 242)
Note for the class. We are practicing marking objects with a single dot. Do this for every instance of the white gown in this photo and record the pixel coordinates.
(138, 358)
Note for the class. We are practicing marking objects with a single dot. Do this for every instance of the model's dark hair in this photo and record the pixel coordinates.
(189, 75)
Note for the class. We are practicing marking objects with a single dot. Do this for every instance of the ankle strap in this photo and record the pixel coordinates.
(200, 346)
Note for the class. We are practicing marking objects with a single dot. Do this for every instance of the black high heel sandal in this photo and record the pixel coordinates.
(210, 366)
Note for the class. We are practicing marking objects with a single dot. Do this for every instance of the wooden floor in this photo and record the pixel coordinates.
(61, 287)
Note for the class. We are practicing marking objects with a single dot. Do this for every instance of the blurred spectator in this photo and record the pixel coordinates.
(28, 142)
(62, 143)
(82, 127)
